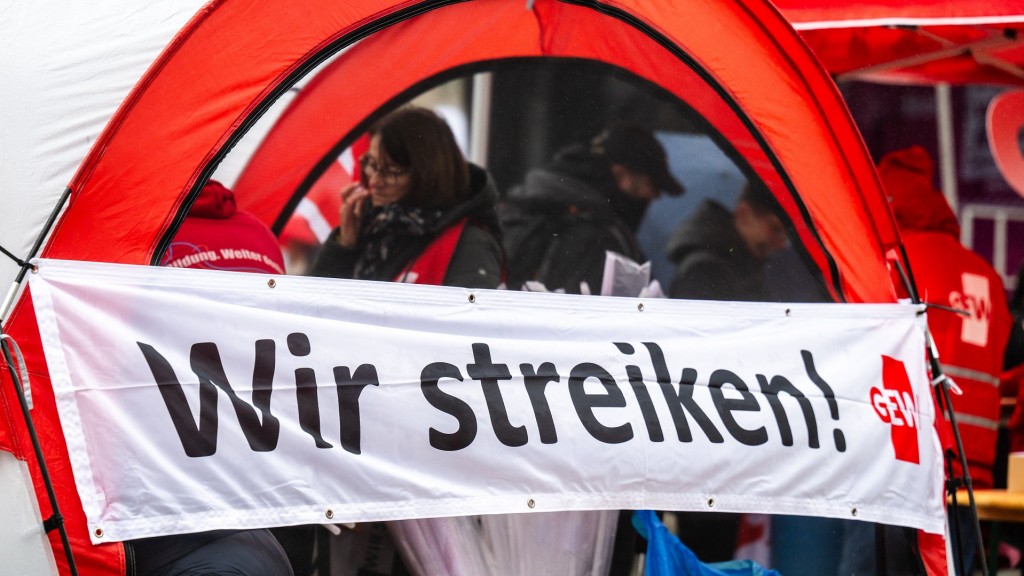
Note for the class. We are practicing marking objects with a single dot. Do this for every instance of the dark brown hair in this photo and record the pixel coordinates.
(759, 199)
(421, 142)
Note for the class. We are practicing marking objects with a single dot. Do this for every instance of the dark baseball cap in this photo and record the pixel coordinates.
(637, 149)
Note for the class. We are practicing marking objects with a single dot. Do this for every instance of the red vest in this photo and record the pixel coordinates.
(431, 266)
(970, 346)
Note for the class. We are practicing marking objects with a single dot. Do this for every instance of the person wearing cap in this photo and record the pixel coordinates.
(588, 200)
(720, 255)
(216, 235)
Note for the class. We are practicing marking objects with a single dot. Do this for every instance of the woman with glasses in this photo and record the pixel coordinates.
(420, 213)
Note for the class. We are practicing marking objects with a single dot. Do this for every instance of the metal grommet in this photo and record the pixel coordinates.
(329, 514)
(271, 282)
(711, 502)
(640, 306)
(853, 512)
(472, 298)
(98, 532)
(531, 503)
(35, 269)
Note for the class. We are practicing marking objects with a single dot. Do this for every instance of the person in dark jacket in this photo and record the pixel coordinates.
(720, 255)
(588, 200)
(420, 213)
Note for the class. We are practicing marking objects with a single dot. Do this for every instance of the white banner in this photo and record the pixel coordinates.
(195, 399)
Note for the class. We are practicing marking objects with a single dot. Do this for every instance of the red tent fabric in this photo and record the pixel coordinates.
(739, 64)
(221, 104)
(317, 213)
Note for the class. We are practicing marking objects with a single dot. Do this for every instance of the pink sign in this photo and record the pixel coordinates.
(1003, 122)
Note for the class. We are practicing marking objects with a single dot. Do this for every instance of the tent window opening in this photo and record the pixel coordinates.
(569, 194)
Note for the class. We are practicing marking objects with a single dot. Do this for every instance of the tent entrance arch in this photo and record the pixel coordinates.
(189, 149)
(539, 106)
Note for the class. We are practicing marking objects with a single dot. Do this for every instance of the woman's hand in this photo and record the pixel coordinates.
(350, 214)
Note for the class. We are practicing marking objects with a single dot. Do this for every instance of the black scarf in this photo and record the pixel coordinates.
(394, 231)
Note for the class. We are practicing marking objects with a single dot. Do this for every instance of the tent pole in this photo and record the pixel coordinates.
(941, 384)
(480, 117)
(979, 49)
(947, 149)
(9, 299)
(947, 174)
(56, 519)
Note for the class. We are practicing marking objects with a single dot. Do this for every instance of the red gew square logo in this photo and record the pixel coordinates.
(896, 406)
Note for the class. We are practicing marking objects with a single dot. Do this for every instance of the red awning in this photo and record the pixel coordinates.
(915, 42)
(816, 14)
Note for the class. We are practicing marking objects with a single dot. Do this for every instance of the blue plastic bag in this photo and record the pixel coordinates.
(667, 556)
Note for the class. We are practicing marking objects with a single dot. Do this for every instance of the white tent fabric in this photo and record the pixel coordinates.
(65, 67)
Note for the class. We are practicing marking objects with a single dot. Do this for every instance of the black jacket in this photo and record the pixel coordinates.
(476, 261)
(558, 224)
(712, 261)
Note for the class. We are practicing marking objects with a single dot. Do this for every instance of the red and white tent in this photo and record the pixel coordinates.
(738, 64)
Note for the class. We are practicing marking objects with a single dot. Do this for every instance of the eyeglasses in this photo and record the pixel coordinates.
(389, 175)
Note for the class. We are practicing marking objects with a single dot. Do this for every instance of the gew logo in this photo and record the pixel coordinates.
(895, 405)
(976, 300)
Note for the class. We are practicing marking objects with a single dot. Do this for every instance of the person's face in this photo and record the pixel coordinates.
(635, 184)
(763, 233)
(386, 182)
